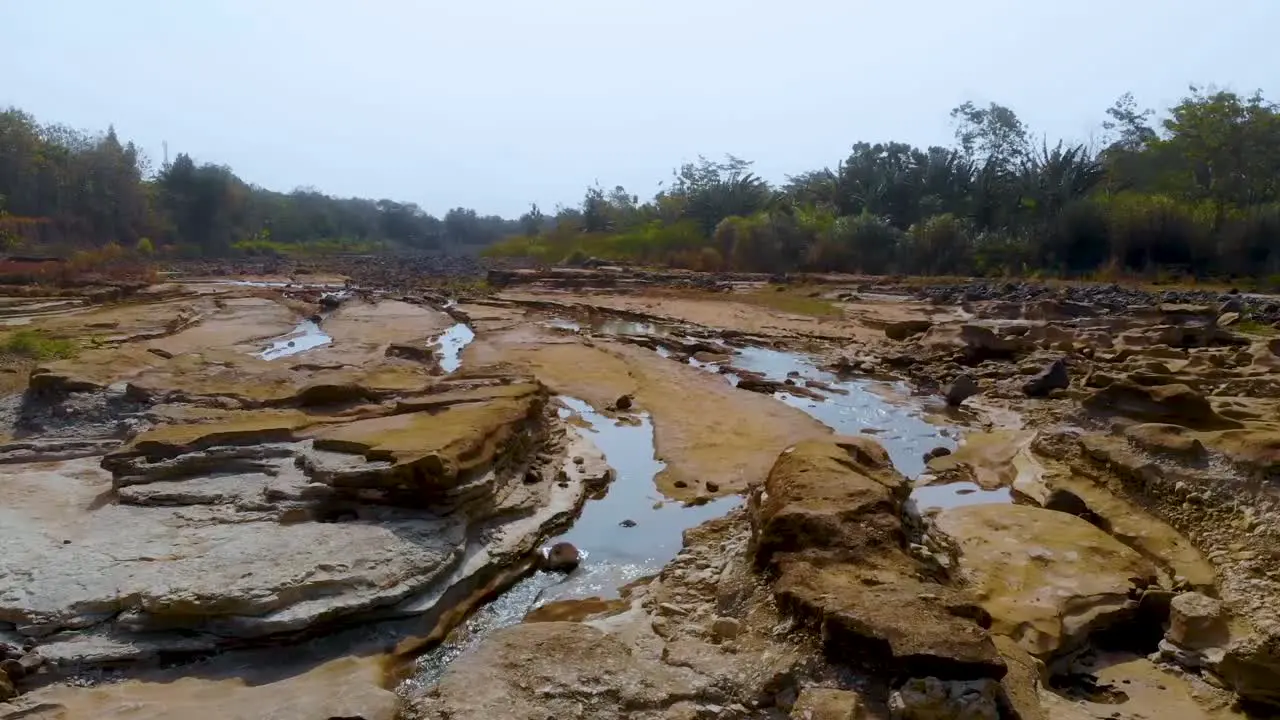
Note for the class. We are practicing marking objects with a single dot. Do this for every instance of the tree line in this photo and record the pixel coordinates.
(1192, 191)
(63, 189)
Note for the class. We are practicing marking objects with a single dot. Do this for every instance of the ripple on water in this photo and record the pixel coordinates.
(306, 336)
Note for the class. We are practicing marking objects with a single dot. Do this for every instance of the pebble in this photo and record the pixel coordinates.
(628, 523)
(713, 486)
(672, 609)
(726, 628)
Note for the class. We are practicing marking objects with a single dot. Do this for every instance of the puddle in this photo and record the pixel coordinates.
(855, 406)
(609, 325)
(612, 555)
(451, 343)
(306, 336)
(954, 495)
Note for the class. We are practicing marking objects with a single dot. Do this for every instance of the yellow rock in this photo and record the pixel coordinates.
(1047, 578)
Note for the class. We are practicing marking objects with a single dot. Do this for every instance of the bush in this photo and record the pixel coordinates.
(36, 345)
(939, 245)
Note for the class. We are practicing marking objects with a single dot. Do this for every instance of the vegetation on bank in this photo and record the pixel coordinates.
(35, 345)
(63, 190)
(1193, 192)
(1196, 194)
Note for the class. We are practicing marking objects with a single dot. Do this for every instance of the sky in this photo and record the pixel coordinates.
(493, 104)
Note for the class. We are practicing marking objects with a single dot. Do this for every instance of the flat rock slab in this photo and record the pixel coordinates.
(1047, 578)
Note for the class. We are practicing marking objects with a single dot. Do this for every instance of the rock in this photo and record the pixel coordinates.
(815, 703)
(937, 453)
(1251, 667)
(1228, 318)
(830, 524)
(13, 669)
(933, 699)
(160, 352)
(628, 523)
(680, 483)
(1053, 377)
(7, 691)
(562, 557)
(712, 486)
(961, 388)
(726, 628)
(1165, 438)
(623, 402)
(1048, 579)
(552, 670)
(975, 343)
(1196, 622)
(1171, 404)
(904, 329)
(1065, 501)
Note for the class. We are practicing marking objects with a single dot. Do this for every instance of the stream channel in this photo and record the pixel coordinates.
(615, 554)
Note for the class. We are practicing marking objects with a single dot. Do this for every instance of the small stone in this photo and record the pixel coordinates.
(623, 402)
(726, 628)
(628, 523)
(713, 486)
(672, 609)
(961, 388)
(7, 691)
(13, 669)
(1053, 377)
(531, 477)
(578, 460)
(562, 557)
(680, 484)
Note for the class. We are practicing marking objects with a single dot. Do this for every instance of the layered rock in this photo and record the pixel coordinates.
(829, 525)
(266, 524)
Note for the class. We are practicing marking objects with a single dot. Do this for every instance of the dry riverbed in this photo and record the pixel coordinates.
(260, 499)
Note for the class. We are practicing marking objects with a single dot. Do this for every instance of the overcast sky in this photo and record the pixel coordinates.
(493, 104)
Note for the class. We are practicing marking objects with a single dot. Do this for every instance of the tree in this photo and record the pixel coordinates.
(992, 134)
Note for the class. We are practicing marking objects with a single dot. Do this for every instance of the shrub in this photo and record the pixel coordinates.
(36, 345)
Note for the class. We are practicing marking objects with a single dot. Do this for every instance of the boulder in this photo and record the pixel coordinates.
(829, 523)
(904, 329)
(1048, 579)
(975, 343)
(933, 699)
(562, 557)
(815, 703)
(1053, 377)
(1196, 622)
(1171, 404)
(961, 388)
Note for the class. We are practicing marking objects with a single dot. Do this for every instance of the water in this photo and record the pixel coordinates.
(850, 408)
(954, 495)
(451, 343)
(306, 336)
(612, 555)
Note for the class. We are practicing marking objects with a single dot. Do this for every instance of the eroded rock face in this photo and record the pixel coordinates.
(1171, 404)
(260, 524)
(1047, 578)
(829, 525)
(933, 699)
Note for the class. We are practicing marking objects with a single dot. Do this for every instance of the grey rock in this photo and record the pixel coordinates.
(1053, 377)
(961, 388)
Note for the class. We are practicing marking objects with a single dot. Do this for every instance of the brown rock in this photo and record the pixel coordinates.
(933, 699)
(904, 329)
(1173, 404)
(961, 388)
(816, 703)
(1196, 622)
(623, 402)
(1053, 377)
(562, 557)
(7, 690)
(1048, 579)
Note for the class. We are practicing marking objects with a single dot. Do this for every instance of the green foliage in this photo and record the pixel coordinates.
(145, 247)
(36, 345)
